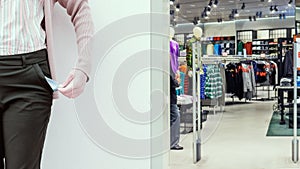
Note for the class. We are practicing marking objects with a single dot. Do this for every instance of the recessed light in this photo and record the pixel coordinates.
(230, 1)
(192, 5)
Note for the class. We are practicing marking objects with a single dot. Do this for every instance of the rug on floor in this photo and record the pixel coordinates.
(275, 129)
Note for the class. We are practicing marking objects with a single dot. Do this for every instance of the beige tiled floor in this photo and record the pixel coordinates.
(236, 139)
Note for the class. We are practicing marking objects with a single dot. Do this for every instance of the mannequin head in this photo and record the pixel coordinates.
(197, 32)
(172, 32)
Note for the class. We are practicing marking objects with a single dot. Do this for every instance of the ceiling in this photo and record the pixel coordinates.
(193, 9)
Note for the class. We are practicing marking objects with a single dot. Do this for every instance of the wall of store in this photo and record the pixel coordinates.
(77, 137)
(230, 28)
(220, 29)
(266, 24)
(186, 28)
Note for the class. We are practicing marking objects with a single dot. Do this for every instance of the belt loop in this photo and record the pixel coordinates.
(23, 61)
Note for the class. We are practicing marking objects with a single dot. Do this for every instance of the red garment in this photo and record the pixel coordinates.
(248, 47)
(186, 84)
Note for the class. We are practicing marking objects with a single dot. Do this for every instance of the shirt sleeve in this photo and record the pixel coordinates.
(84, 29)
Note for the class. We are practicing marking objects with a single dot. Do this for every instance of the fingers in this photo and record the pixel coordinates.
(71, 92)
(69, 79)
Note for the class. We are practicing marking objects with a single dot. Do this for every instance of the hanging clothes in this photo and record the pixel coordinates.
(213, 85)
(240, 47)
(203, 82)
(230, 74)
(262, 72)
(274, 75)
(221, 99)
(210, 49)
(288, 64)
(248, 47)
(217, 49)
(248, 80)
(189, 51)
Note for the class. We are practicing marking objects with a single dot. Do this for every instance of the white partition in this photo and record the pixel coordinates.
(130, 57)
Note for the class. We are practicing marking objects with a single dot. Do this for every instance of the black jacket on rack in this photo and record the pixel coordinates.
(288, 64)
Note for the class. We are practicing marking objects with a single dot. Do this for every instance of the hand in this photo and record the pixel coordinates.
(74, 85)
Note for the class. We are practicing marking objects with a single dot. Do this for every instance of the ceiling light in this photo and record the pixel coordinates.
(271, 9)
(210, 3)
(171, 12)
(195, 21)
(172, 2)
(290, 2)
(236, 14)
(206, 16)
(269, 0)
(192, 5)
(243, 6)
(178, 7)
(208, 9)
(215, 4)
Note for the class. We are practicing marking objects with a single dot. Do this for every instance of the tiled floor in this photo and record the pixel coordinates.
(236, 139)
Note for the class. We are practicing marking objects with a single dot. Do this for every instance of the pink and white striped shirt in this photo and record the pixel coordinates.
(20, 26)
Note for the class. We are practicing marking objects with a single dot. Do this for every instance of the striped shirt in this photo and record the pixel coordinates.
(20, 26)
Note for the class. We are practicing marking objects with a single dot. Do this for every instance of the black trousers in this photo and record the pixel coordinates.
(25, 106)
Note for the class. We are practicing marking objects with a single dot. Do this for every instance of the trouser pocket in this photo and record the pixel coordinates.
(42, 70)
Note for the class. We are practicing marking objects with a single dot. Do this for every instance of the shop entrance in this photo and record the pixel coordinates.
(243, 65)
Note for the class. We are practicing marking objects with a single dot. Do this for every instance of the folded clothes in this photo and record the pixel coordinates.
(286, 82)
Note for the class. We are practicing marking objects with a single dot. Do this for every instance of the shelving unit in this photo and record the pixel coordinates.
(227, 44)
(260, 46)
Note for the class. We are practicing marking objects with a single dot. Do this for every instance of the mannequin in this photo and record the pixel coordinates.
(197, 33)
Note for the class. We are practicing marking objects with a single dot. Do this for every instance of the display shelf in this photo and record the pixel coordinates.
(226, 44)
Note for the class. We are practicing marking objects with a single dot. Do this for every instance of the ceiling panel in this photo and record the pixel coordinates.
(189, 9)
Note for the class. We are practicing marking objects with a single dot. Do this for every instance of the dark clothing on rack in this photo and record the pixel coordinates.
(222, 99)
(240, 80)
(288, 64)
(230, 73)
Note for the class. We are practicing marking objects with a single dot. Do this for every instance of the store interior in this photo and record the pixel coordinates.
(235, 82)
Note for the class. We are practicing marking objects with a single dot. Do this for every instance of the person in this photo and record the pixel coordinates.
(174, 115)
(174, 80)
(26, 57)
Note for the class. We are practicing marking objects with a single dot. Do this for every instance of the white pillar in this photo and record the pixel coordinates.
(115, 123)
